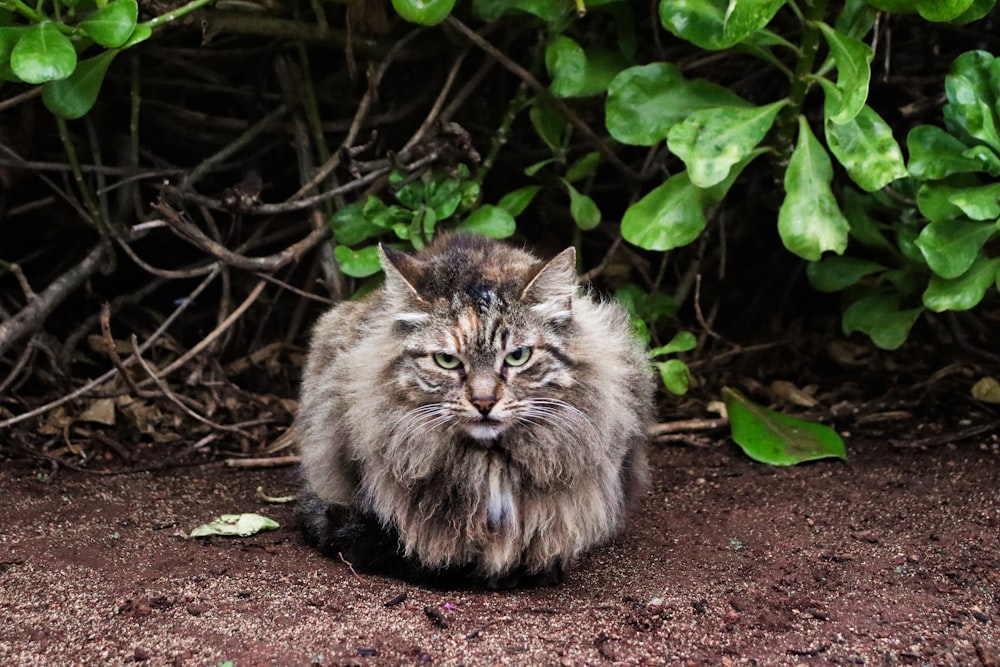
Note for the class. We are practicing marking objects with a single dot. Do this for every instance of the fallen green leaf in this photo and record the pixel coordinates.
(238, 525)
(777, 439)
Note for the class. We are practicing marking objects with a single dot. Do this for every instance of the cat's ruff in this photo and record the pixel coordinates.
(478, 419)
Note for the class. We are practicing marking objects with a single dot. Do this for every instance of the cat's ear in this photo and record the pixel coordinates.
(402, 272)
(552, 289)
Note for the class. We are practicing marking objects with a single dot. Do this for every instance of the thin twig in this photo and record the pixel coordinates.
(163, 387)
(215, 333)
(96, 382)
(265, 462)
(30, 317)
(544, 93)
(273, 262)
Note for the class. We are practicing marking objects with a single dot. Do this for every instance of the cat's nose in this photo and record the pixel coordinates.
(483, 403)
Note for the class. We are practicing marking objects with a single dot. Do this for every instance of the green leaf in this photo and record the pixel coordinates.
(142, 32)
(853, 59)
(965, 291)
(863, 227)
(583, 168)
(351, 226)
(835, 273)
(645, 102)
(976, 11)
(878, 315)
(491, 10)
(775, 438)
(716, 24)
(443, 195)
(235, 525)
(73, 97)
(744, 17)
(865, 146)
(683, 341)
(424, 12)
(358, 263)
(488, 220)
(579, 73)
(112, 24)
(669, 216)
(809, 221)
(980, 202)
(582, 208)
(710, 141)
(515, 201)
(935, 154)
(934, 201)
(972, 87)
(675, 374)
(951, 246)
(43, 54)
(550, 126)
(943, 10)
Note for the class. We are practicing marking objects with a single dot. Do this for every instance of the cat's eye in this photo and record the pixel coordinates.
(447, 361)
(518, 357)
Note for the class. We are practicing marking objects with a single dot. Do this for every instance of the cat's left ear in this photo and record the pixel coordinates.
(552, 289)
(401, 272)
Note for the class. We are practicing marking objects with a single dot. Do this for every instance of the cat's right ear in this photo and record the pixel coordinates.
(402, 272)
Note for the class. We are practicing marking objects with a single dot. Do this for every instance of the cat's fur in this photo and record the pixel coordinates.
(488, 473)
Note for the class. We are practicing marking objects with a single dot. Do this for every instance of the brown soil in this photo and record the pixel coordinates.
(890, 559)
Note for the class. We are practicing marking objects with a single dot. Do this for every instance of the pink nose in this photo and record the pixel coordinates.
(484, 403)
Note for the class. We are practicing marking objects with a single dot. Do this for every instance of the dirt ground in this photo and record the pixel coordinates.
(892, 558)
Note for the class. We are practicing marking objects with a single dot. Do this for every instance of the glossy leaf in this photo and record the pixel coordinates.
(980, 202)
(579, 73)
(583, 168)
(878, 315)
(864, 228)
(810, 221)
(716, 24)
(424, 12)
(358, 263)
(112, 24)
(683, 341)
(936, 154)
(489, 220)
(977, 10)
(73, 97)
(669, 216)
(645, 102)
(744, 17)
(582, 208)
(973, 86)
(710, 141)
(934, 200)
(853, 59)
(351, 226)
(835, 273)
(864, 145)
(943, 10)
(515, 201)
(491, 10)
(675, 375)
(965, 291)
(951, 246)
(43, 54)
(775, 438)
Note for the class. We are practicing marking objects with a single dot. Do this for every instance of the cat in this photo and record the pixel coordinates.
(479, 420)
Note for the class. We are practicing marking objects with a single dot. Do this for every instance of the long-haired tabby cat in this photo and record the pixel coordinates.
(479, 420)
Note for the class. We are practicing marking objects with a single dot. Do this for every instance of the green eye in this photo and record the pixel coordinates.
(518, 357)
(447, 361)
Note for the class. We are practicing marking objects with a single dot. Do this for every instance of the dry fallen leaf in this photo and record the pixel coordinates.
(987, 390)
(100, 411)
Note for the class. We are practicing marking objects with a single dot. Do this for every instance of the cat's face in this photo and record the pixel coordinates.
(489, 356)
